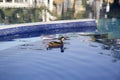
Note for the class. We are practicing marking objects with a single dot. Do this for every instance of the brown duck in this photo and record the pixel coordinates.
(55, 44)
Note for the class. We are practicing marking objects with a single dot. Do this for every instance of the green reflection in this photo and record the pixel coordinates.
(109, 26)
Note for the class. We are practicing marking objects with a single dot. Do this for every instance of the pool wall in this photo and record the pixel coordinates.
(85, 25)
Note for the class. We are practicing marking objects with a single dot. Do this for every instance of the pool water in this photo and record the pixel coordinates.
(84, 58)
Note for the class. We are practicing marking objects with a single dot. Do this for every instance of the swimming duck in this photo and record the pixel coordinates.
(55, 44)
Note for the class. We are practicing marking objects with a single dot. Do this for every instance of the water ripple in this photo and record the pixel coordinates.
(78, 62)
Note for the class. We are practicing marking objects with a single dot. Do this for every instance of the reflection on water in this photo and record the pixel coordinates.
(111, 28)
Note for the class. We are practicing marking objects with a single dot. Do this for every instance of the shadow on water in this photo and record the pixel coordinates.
(113, 47)
(111, 39)
(62, 49)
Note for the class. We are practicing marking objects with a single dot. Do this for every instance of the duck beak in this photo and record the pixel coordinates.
(63, 39)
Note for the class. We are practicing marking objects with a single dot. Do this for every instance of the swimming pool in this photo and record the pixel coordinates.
(25, 57)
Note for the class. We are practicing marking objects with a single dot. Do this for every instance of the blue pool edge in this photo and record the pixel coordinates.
(83, 25)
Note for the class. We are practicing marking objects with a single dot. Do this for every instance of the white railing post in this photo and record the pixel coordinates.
(51, 5)
(4, 1)
(43, 15)
(13, 1)
(97, 9)
(23, 1)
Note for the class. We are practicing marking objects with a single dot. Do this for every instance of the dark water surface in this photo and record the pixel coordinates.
(83, 59)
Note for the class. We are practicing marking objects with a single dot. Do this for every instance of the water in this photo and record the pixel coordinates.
(84, 58)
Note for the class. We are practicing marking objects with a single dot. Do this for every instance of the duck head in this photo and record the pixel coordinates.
(62, 38)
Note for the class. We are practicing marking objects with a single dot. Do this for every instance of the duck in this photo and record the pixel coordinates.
(57, 44)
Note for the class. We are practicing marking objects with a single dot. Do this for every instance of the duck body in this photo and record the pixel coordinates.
(55, 44)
